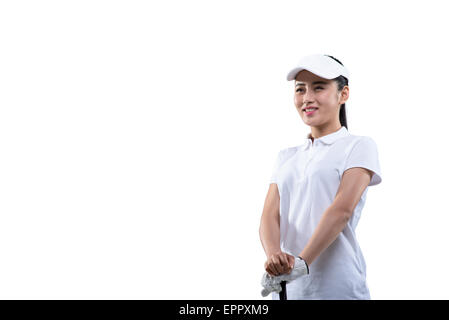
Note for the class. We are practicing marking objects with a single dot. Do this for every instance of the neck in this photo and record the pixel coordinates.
(318, 132)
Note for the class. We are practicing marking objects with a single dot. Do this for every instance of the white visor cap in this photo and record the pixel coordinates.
(321, 65)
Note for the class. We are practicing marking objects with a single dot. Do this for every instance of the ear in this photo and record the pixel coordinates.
(344, 94)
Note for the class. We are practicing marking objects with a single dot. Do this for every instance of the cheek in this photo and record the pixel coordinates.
(297, 100)
(327, 97)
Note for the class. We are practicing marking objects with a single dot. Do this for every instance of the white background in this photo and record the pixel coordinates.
(137, 139)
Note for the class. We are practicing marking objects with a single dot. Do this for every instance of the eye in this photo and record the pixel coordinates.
(300, 89)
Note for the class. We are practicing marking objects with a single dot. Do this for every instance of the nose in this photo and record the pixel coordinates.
(308, 97)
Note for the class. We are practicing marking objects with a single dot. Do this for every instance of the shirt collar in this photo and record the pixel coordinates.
(327, 139)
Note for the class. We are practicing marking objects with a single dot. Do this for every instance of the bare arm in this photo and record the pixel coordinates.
(335, 218)
(278, 262)
(269, 230)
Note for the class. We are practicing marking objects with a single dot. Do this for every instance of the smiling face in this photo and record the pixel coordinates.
(314, 91)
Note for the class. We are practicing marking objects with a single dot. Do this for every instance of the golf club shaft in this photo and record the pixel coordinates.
(283, 293)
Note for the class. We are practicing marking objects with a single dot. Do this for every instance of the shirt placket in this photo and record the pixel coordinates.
(310, 156)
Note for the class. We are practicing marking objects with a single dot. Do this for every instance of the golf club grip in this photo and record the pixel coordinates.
(283, 293)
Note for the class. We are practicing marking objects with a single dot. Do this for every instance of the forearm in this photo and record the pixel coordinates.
(332, 222)
(269, 233)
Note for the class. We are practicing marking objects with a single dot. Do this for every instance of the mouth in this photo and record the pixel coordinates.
(309, 110)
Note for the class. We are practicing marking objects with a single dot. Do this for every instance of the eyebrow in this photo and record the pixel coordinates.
(316, 82)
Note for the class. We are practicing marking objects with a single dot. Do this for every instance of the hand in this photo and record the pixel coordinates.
(300, 269)
(273, 284)
(279, 263)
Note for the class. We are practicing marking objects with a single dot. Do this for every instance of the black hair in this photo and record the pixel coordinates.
(341, 82)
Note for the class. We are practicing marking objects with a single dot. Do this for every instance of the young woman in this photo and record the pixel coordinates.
(317, 192)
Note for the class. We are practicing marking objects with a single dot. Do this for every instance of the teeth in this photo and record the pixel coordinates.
(311, 109)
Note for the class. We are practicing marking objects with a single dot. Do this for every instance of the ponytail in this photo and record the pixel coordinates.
(341, 82)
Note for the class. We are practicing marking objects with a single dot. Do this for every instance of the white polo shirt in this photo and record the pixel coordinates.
(308, 177)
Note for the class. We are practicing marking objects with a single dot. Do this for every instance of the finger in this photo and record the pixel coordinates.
(269, 269)
(293, 259)
(273, 264)
(281, 264)
(276, 266)
(284, 263)
(291, 262)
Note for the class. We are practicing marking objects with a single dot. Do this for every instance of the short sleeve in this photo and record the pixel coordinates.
(276, 166)
(364, 154)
